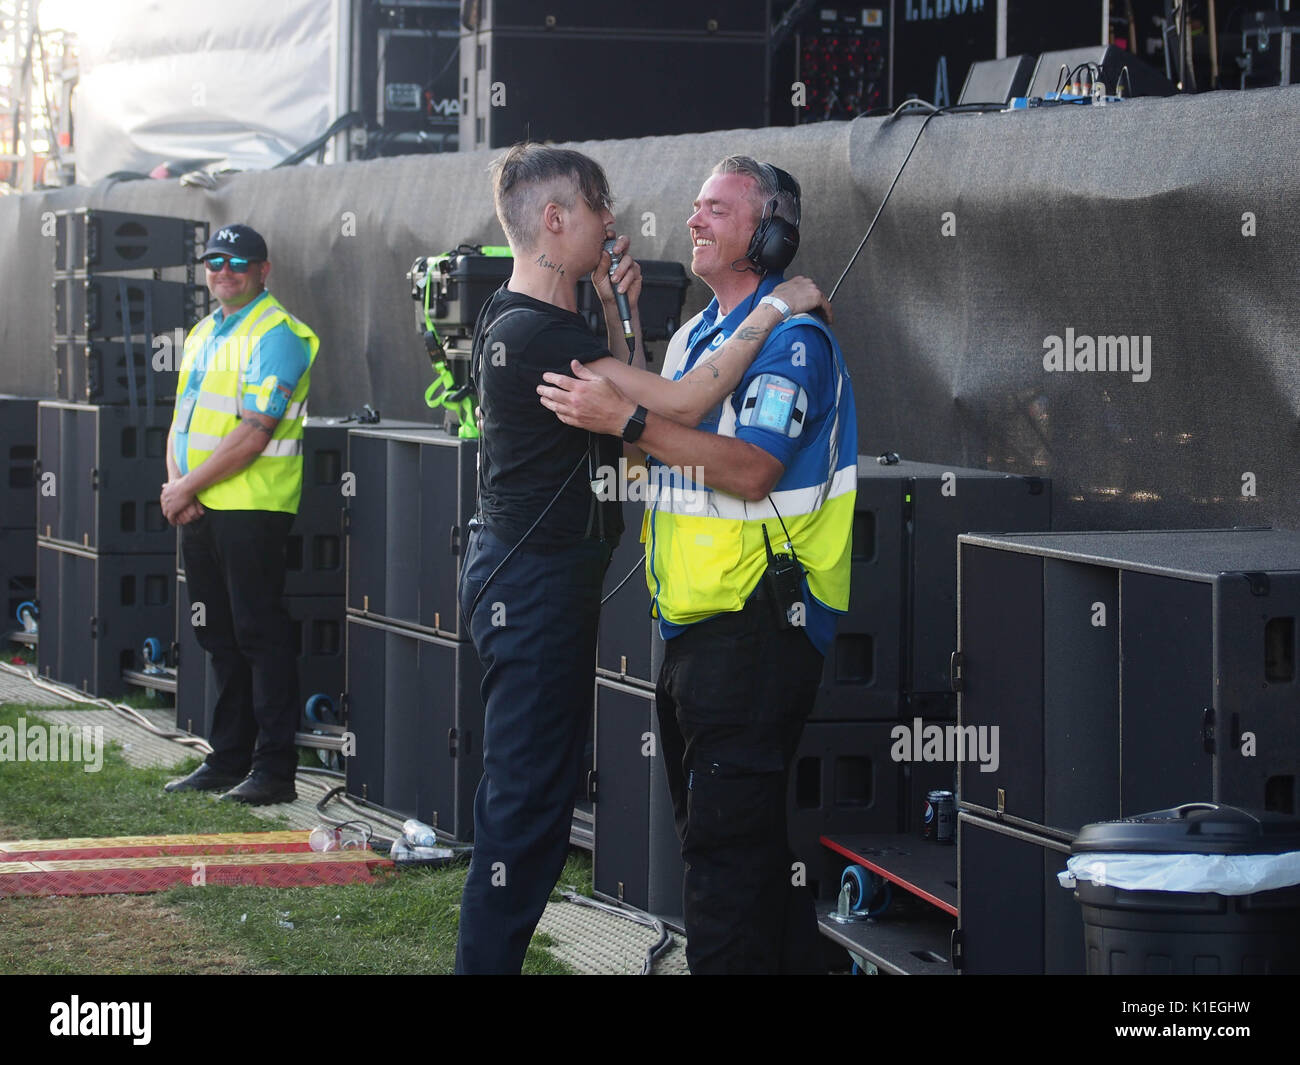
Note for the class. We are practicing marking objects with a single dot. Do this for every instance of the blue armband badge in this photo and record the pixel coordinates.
(774, 403)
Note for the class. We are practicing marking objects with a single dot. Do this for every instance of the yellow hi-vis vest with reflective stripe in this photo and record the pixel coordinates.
(704, 549)
(273, 480)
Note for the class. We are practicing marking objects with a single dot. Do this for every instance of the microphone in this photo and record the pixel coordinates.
(620, 298)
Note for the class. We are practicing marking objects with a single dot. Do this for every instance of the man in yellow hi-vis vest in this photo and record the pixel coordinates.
(748, 535)
(234, 478)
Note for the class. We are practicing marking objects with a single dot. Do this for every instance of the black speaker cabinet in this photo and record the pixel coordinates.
(196, 685)
(1130, 671)
(637, 856)
(843, 781)
(626, 628)
(411, 63)
(414, 706)
(17, 574)
(411, 496)
(17, 462)
(318, 638)
(96, 371)
(94, 241)
(522, 66)
(314, 552)
(103, 306)
(97, 611)
(891, 652)
(1014, 916)
(98, 475)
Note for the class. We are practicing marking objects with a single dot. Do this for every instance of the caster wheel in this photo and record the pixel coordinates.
(869, 893)
(318, 707)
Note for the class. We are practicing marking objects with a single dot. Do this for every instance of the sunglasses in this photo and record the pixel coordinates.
(215, 263)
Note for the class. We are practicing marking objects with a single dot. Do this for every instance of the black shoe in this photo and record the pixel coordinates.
(205, 778)
(257, 789)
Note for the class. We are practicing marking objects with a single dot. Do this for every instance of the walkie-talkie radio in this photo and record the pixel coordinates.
(783, 582)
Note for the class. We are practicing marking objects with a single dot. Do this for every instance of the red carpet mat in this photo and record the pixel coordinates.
(143, 864)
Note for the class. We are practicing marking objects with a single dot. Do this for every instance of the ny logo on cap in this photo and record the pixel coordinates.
(226, 234)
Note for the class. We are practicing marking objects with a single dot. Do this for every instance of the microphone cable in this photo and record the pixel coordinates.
(890, 191)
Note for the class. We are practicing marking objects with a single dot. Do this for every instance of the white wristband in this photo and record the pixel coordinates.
(782, 307)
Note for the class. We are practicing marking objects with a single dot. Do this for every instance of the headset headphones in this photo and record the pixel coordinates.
(773, 246)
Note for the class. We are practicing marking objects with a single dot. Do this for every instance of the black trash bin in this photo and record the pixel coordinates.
(1171, 918)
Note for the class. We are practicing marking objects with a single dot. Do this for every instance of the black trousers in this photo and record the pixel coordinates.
(234, 569)
(732, 698)
(535, 633)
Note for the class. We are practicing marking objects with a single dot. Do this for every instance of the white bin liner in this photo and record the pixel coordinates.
(1222, 874)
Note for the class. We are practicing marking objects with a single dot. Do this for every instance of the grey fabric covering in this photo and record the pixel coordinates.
(1124, 220)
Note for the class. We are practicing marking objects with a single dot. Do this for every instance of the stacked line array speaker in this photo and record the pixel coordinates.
(412, 701)
(637, 857)
(414, 707)
(314, 585)
(1014, 915)
(104, 575)
(407, 524)
(99, 473)
(889, 662)
(124, 296)
(17, 507)
(891, 653)
(522, 65)
(97, 611)
(318, 656)
(1125, 672)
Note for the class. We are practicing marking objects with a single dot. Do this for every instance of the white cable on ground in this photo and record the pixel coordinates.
(65, 691)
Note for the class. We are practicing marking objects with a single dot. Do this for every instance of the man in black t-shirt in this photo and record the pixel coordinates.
(531, 581)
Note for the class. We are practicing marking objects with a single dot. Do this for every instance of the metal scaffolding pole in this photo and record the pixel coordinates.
(36, 72)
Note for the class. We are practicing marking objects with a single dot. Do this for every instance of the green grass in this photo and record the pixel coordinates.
(147, 699)
(55, 800)
(404, 922)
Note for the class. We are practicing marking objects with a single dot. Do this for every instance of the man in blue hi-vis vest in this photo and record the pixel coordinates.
(747, 561)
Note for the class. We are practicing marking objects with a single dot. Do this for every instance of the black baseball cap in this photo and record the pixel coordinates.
(239, 240)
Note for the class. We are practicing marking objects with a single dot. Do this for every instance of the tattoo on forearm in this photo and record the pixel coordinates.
(748, 332)
(713, 370)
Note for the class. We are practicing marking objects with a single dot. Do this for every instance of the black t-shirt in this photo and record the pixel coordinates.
(527, 453)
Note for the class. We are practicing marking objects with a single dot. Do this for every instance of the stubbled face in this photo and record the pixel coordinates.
(722, 225)
(234, 290)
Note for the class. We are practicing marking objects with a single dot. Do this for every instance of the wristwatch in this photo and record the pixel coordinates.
(782, 307)
(635, 425)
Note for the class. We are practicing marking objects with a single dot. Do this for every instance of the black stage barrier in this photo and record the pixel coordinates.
(1159, 234)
